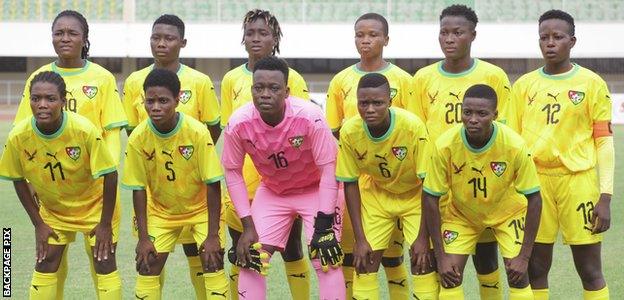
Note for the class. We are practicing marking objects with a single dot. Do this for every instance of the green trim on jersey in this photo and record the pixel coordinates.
(421, 175)
(561, 76)
(214, 179)
(215, 122)
(50, 136)
(10, 178)
(346, 179)
(132, 187)
(487, 145)
(123, 124)
(385, 135)
(170, 133)
(178, 72)
(382, 70)
(246, 69)
(104, 172)
(529, 191)
(74, 71)
(475, 61)
(432, 193)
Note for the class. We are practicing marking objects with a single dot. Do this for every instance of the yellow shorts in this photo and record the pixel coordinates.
(567, 203)
(460, 236)
(165, 239)
(486, 237)
(66, 237)
(252, 180)
(395, 249)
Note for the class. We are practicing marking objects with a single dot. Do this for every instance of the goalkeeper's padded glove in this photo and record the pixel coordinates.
(259, 259)
(324, 244)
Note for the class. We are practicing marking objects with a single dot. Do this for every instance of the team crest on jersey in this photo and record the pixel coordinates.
(576, 97)
(73, 152)
(89, 91)
(186, 151)
(399, 152)
(393, 93)
(449, 236)
(498, 167)
(185, 96)
(295, 141)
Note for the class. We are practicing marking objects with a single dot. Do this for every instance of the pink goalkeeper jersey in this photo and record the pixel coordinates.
(287, 155)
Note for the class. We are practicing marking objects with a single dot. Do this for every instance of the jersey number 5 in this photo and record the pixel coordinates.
(169, 167)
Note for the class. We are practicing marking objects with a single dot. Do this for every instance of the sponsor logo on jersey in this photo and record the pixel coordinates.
(185, 96)
(458, 169)
(149, 156)
(498, 167)
(29, 155)
(73, 152)
(449, 236)
(295, 141)
(186, 151)
(576, 97)
(399, 152)
(89, 91)
(393, 93)
(360, 156)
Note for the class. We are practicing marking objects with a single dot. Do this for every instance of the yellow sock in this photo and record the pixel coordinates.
(234, 282)
(61, 275)
(147, 287)
(456, 293)
(109, 286)
(398, 287)
(426, 287)
(90, 256)
(601, 294)
(490, 286)
(298, 275)
(216, 285)
(524, 293)
(365, 286)
(197, 276)
(541, 294)
(348, 273)
(43, 286)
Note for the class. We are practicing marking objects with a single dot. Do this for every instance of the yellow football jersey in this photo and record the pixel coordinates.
(197, 96)
(341, 101)
(485, 184)
(439, 94)
(236, 89)
(175, 167)
(555, 114)
(395, 161)
(65, 168)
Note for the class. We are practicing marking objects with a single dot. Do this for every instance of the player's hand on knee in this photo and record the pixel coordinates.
(212, 253)
(103, 241)
(324, 244)
(449, 272)
(145, 255)
(362, 256)
(601, 216)
(42, 233)
(420, 255)
(258, 259)
(517, 269)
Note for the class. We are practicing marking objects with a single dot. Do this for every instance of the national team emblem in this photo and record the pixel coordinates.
(399, 152)
(185, 96)
(393, 93)
(89, 91)
(186, 151)
(498, 167)
(576, 97)
(73, 152)
(449, 236)
(295, 141)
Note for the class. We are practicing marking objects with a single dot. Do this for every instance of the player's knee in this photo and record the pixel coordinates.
(347, 261)
(105, 266)
(392, 261)
(190, 249)
(292, 254)
(591, 275)
(485, 264)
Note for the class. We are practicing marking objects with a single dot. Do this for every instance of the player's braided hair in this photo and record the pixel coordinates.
(163, 78)
(50, 77)
(377, 17)
(558, 14)
(273, 63)
(85, 29)
(373, 80)
(460, 11)
(172, 20)
(256, 14)
(482, 91)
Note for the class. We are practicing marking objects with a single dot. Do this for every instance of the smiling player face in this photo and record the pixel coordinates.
(166, 43)
(456, 36)
(258, 39)
(67, 37)
(46, 104)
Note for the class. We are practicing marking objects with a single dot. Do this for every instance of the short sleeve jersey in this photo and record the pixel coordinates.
(197, 96)
(395, 161)
(485, 184)
(91, 92)
(439, 94)
(555, 114)
(341, 101)
(175, 167)
(236, 89)
(65, 168)
(286, 156)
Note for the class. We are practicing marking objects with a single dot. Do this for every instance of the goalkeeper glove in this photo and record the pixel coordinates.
(324, 244)
(259, 259)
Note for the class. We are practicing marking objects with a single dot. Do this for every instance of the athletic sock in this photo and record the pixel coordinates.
(348, 273)
(489, 286)
(540, 294)
(426, 287)
(197, 279)
(331, 283)
(147, 287)
(61, 275)
(398, 286)
(43, 286)
(91, 260)
(298, 275)
(601, 294)
(216, 285)
(524, 293)
(456, 293)
(234, 282)
(365, 286)
(109, 286)
(251, 285)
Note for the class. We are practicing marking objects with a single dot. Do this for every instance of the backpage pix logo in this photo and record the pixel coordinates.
(6, 262)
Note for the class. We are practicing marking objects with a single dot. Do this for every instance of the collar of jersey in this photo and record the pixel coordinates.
(475, 61)
(72, 71)
(246, 69)
(382, 70)
(170, 133)
(49, 136)
(385, 135)
(487, 145)
(177, 72)
(561, 76)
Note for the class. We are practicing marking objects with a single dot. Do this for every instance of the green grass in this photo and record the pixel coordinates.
(564, 283)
